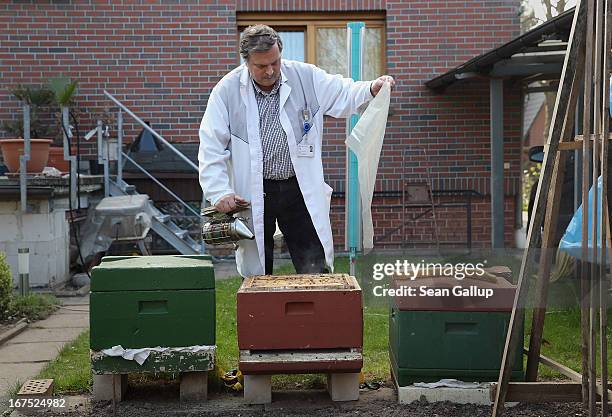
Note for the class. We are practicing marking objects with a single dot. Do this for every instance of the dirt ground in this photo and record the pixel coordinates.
(313, 403)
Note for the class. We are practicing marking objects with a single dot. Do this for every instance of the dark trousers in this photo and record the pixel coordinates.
(283, 202)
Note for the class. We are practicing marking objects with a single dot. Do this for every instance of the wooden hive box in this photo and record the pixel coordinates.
(150, 301)
(300, 312)
(468, 331)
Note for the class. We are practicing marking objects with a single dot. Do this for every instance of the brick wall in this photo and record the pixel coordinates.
(162, 58)
(420, 231)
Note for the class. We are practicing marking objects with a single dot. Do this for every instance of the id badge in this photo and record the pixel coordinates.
(305, 150)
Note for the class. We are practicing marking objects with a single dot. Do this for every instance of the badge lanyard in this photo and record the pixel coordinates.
(304, 148)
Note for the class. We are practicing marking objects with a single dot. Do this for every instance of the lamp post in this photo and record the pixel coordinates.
(24, 271)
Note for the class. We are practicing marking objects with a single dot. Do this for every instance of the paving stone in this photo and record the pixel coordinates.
(12, 373)
(63, 320)
(29, 352)
(47, 335)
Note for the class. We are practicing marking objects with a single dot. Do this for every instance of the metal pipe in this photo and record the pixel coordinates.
(355, 47)
(71, 159)
(153, 132)
(23, 159)
(119, 146)
(103, 158)
(497, 162)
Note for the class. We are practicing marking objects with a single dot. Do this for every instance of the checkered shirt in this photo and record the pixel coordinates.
(276, 159)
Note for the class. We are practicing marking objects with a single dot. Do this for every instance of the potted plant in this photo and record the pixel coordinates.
(63, 90)
(37, 98)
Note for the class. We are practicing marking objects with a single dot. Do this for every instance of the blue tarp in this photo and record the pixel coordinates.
(571, 242)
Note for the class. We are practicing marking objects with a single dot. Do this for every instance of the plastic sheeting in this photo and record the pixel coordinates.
(115, 219)
(571, 242)
(366, 141)
(451, 383)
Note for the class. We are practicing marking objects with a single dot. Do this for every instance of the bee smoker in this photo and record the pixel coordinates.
(222, 228)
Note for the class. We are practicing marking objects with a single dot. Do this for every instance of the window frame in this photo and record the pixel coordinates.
(310, 22)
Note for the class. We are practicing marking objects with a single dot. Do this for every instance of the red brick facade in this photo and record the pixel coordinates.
(162, 59)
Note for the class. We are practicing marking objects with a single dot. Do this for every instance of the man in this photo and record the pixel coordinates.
(260, 141)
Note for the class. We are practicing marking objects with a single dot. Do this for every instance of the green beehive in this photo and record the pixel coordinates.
(432, 338)
(427, 346)
(153, 301)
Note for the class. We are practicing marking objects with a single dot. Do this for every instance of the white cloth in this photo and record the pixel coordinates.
(140, 355)
(231, 156)
(366, 141)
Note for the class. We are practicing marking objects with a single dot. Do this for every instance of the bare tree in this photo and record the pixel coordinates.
(528, 17)
(553, 8)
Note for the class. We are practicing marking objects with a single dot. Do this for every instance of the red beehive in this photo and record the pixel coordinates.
(448, 294)
(300, 312)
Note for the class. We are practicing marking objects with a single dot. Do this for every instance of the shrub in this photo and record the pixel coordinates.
(33, 306)
(6, 287)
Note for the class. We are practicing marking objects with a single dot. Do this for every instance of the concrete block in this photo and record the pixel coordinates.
(36, 227)
(194, 386)
(409, 394)
(10, 228)
(103, 387)
(258, 389)
(59, 223)
(12, 247)
(343, 387)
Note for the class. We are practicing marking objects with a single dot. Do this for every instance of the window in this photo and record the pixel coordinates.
(294, 44)
(320, 38)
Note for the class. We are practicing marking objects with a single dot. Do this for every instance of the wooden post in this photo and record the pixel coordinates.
(586, 159)
(604, 226)
(572, 57)
(549, 240)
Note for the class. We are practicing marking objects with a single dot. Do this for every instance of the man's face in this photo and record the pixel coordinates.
(265, 66)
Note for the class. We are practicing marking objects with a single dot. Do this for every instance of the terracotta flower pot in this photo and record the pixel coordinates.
(56, 159)
(13, 148)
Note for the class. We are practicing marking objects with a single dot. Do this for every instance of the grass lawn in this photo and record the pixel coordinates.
(561, 340)
(71, 369)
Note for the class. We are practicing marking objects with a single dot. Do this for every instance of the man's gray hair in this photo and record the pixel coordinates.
(258, 38)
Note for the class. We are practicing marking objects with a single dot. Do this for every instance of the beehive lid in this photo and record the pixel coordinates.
(299, 282)
(123, 205)
(146, 273)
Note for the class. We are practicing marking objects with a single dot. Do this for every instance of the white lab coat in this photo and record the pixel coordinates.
(231, 157)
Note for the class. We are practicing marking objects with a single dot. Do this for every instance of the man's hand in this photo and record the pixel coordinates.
(230, 202)
(378, 83)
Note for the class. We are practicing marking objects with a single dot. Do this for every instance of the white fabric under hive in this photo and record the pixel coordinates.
(140, 355)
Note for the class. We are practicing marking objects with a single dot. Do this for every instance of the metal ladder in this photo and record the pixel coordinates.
(162, 223)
